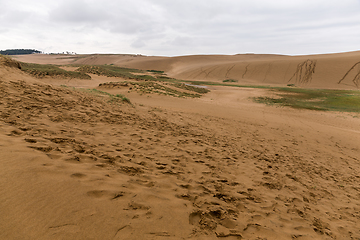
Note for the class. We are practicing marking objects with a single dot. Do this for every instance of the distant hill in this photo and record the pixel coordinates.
(19, 51)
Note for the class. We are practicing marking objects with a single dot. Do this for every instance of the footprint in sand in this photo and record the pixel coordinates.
(105, 193)
(78, 175)
(30, 140)
(42, 148)
(195, 217)
(123, 232)
(97, 193)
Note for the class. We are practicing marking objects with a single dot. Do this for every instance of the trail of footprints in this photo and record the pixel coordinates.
(218, 202)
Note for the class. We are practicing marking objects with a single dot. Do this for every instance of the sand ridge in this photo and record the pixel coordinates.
(75, 166)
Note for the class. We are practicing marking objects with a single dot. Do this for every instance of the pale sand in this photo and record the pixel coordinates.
(74, 166)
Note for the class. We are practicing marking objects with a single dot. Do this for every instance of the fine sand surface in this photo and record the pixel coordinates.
(76, 166)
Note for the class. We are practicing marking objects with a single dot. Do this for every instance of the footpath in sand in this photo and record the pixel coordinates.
(76, 166)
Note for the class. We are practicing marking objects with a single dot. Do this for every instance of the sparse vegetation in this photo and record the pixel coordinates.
(204, 83)
(145, 87)
(126, 73)
(113, 71)
(230, 80)
(43, 70)
(113, 98)
(166, 79)
(122, 97)
(191, 88)
(315, 99)
(324, 100)
(155, 71)
(144, 83)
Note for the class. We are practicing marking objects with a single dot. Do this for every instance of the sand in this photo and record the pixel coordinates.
(75, 166)
(333, 71)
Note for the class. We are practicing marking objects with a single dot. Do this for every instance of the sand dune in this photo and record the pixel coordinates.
(76, 166)
(336, 71)
(317, 71)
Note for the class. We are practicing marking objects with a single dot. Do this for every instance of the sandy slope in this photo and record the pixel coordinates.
(74, 166)
(341, 70)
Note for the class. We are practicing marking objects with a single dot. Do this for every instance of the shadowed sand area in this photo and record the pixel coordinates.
(77, 166)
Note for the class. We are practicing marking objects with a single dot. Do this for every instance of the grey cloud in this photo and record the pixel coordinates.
(78, 12)
(185, 26)
(138, 43)
(123, 17)
(13, 17)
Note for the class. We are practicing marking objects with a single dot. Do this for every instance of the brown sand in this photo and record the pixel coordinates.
(74, 166)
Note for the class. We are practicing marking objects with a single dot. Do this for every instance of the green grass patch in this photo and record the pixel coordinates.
(315, 99)
(155, 71)
(205, 83)
(230, 80)
(43, 70)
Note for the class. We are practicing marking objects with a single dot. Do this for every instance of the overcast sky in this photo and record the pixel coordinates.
(181, 27)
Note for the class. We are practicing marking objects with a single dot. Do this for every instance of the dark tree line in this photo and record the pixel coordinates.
(19, 51)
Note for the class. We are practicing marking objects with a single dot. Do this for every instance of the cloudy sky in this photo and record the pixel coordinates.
(181, 27)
